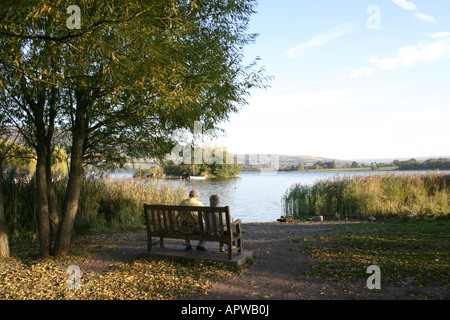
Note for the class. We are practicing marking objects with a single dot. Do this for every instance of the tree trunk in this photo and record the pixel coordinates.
(4, 246)
(72, 197)
(52, 201)
(76, 175)
(42, 201)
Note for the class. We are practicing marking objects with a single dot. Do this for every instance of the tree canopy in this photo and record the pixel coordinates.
(115, 79)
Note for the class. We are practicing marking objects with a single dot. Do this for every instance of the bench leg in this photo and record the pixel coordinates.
(239, 245)
(149, 244)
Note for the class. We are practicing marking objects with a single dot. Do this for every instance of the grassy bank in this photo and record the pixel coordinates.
(390, 195)
(415, 252)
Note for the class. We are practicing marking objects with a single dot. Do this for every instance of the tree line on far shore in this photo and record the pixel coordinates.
(430, 164)
(411, 164)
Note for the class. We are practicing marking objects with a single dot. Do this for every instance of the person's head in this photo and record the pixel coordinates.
(214, 200)
(194, 194)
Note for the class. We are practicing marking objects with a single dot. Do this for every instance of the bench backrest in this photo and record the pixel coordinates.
(165, 220)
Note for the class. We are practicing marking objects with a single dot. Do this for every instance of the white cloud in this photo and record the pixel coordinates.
(424, 17)
(405, 5)
(425, 52)
(408, 56)
(434, 51)
(443, 34)
(412, 7)
(361, 71)
(385, 63)
(321, 39)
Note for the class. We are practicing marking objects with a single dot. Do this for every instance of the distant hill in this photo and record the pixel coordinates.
(296, 159)
(387, 160)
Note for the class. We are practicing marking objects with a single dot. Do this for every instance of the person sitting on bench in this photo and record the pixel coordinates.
(193, 201)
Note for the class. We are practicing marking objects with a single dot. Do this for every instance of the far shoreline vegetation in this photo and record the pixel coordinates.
(168, 170)
(411, 164)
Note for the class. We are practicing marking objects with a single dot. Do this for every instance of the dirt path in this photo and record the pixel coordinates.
(277, 271)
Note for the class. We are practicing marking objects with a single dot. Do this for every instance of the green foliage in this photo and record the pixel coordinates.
(121, 84)
(136, 70)
(430, 164)
(378, 195)
(23, 159)
(17, 156)
(222, 169)
(355, 164)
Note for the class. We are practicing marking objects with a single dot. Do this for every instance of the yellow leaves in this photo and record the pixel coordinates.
(156, 279)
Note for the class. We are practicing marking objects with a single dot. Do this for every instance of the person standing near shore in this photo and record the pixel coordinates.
(193, 202)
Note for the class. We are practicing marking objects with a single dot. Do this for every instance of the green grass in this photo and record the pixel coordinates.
(417, 251)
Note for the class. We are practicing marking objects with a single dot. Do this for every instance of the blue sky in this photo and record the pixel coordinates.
(354, 79)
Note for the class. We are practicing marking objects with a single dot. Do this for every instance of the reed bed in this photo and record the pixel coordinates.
(117, 204)
(380, 195)
(106, 204)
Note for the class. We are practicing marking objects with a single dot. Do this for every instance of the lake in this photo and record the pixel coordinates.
(256, 197)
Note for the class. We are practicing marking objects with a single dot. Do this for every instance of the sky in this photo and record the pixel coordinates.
(353, 79)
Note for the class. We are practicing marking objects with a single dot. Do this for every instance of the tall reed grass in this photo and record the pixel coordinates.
(113, 204)
(18, 200)
(379, 195)
(106, 205)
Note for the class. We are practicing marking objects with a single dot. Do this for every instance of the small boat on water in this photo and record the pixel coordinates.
(197, 178)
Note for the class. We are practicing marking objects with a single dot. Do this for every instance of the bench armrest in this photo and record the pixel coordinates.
(236, 222)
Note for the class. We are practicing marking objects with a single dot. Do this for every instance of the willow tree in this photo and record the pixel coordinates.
(127, 76)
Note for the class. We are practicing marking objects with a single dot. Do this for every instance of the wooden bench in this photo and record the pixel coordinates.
(178, 222)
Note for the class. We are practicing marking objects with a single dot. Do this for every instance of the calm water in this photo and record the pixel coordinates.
(255, 197)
